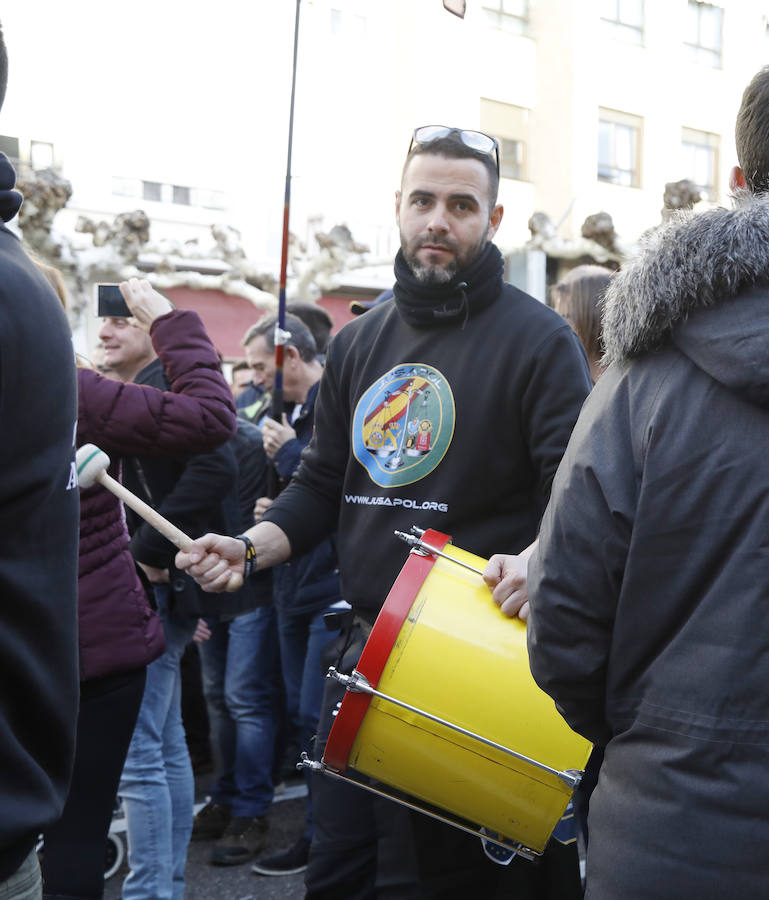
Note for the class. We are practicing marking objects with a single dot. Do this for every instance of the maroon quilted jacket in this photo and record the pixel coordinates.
(118, 630)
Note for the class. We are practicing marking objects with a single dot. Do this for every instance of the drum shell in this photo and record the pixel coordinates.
(458, 657)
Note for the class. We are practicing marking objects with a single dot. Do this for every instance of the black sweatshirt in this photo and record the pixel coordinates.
(447, 408)
(39, 509)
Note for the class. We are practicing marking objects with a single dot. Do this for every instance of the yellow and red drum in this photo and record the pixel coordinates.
(442, 706)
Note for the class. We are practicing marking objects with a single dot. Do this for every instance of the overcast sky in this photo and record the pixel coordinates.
(168, 78)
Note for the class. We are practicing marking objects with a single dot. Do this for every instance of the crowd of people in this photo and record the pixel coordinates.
(602, 453)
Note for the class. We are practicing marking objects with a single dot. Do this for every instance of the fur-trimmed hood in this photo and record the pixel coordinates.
(702, 280)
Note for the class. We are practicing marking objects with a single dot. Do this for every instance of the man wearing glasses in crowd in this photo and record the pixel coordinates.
(448, 408)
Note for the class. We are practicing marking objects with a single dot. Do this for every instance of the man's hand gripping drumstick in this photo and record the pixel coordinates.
(92, 464)
(506, 576)
(214, 559)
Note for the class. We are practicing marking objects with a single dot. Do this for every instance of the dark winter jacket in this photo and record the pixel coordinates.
(308, 583)
(238, 508)
(189, 491)
(447, 408)
(118, 630)
(38, 546)
(649, 590)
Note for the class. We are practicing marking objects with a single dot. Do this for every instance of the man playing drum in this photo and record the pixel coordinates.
(449, 408)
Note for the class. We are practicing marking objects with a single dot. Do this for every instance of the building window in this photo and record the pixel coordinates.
(41, 154)
(704, 24)
(624, 19)
(9, 146)
(510, 126)
(181, 195)
(160, 192)
(152, 190)
(700, 160)
(619, 145)
(508, 15)
(512, 161)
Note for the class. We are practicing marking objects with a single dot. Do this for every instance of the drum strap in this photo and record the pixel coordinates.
(344, 651)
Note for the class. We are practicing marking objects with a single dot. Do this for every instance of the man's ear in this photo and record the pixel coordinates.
(494, 221)
(398, 208)
(737, 179)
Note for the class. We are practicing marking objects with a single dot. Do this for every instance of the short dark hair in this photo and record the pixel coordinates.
(301, 336)
(752, 133)
(316, 318)
(239, 366)
(3, 67)
(453, 147)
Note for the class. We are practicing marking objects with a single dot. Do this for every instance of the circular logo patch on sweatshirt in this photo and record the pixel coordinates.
(403, 424)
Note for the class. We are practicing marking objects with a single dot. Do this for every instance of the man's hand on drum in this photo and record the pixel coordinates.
(506, 576)
(212, 560)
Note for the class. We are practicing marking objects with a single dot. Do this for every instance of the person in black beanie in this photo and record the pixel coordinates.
(449, 407)
(39, 509)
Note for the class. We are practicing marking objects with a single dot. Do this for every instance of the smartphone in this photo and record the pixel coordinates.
(109, 302)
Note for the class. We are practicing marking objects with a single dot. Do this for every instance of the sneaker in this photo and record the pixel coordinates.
(243, 839)
(210, 823)
(287, 862)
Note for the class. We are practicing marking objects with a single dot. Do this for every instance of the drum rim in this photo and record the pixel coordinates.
(376, 653)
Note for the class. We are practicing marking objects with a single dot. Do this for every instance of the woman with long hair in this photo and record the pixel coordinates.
(577, 298)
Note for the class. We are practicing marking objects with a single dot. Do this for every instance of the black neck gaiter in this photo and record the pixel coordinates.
(468, 292)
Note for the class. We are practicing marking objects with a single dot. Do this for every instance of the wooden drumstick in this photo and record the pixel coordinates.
(92, 465)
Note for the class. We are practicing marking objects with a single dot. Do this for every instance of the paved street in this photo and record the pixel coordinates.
(205, 882)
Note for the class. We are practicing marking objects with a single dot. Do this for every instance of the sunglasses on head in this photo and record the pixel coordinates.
(475, 140)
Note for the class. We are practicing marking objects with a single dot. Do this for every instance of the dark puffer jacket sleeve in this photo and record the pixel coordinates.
(575, 575)
(131, 419)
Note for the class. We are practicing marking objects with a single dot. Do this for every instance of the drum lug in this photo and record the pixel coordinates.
(424, 549)
(312, 764)
(353, 682)
(572, 777)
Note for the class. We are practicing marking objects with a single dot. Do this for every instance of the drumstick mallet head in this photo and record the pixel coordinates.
(92, 464)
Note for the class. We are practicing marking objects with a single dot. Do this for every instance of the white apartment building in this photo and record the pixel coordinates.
(182, 109)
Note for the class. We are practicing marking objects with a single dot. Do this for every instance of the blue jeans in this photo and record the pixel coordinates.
(157, 786)
(25, 883)
(239, 664)
(302, 637)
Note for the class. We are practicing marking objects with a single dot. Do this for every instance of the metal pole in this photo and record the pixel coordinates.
(280, 326)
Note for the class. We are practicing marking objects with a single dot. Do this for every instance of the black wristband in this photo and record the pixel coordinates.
(249, 563)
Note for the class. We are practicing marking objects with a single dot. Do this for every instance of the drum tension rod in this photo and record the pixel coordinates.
(358, 683)
(505, 843)
(420, 546)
